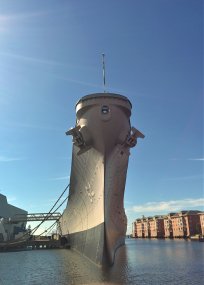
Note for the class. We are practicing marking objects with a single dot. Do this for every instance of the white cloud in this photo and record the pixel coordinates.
(6, 21)
(10, 159)
(3, 25)
(196, 159)
(189, 177)
(31, 59)
(193, 159)
(20, 16)
(128, 202)
(80, 82)
(48, 62)
(11, 199)
(60, 178)
(168, 206)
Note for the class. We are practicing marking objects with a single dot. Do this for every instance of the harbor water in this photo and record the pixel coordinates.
(140, 261)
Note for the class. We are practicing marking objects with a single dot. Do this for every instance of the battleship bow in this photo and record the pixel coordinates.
(94, 221)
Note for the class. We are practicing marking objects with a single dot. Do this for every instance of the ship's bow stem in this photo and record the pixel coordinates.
(95, 218)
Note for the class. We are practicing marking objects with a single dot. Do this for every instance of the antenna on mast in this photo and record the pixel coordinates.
(104, 72)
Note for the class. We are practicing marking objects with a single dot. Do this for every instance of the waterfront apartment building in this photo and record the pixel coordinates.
(174, 225)
(134, 230)
(179, 225)
(193, 223)
(149, 227)
(139, 228)
(146, 227)
(168, 230)
(186, 224)
(202, 223)
(156, 227)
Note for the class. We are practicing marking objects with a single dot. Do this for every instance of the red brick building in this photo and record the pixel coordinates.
(139, 228)
(149, 227)
(156, 227)
(146, 227)
(186, 224)
(168, 230)
(192, 223)
(179, 225)
(202, 223)
(134, 229)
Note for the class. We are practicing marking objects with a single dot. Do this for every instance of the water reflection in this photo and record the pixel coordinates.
(139, 262)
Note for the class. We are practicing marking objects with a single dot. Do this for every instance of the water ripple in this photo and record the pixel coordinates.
(139, 262)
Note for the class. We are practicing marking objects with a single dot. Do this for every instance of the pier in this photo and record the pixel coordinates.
(33, 244)
(28, 240)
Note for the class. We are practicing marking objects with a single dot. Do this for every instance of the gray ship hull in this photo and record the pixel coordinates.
(94, 221)
(90, 243)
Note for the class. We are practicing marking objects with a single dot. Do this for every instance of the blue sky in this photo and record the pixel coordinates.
(50, 56)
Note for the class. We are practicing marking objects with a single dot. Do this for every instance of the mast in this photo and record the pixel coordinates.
(104, 72)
